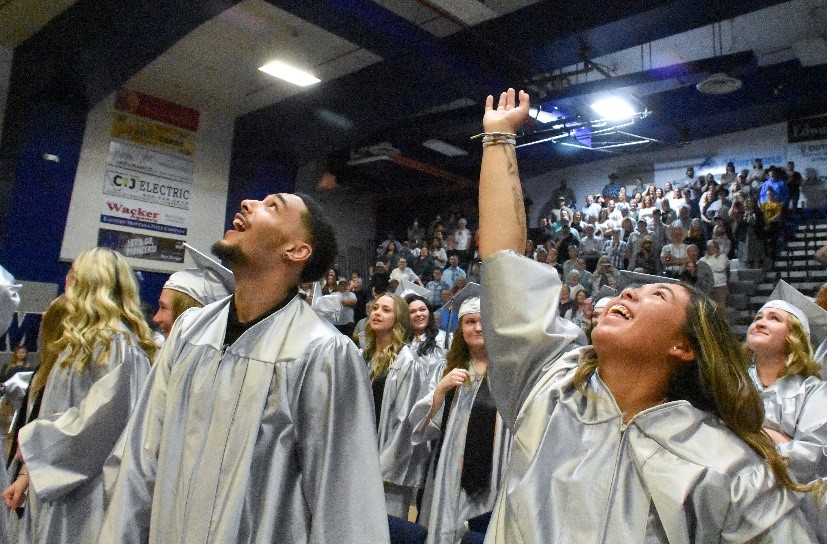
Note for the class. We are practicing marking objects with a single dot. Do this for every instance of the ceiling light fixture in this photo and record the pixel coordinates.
(613, 109)
(288, 73)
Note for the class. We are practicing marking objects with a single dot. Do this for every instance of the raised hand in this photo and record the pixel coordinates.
(452, 380)
(508, 115)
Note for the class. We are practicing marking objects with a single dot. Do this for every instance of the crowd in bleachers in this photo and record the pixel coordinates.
(691, 229)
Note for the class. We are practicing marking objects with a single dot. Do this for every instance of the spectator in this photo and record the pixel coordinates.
(423, 266)
(794, 181)
(673, 255)
(436, 287)
(591, 247)
(634, 244)
(604, 275)
(591, 208)
(721, 237)
(703, 272)
(463, 242)
(773, 211)
(347, 316)
(696, 234)
(566, 302)
(391, 256)
(615, 248)
(577, 223)
(402, 272)
(719, 265)
(389, 241)
(450, 274)
(563, 193)
(438, 254)
(729, 175)
(646, 258)
(757, 175)
(416, 234)
(611, 189)
(779, 186)
(380, 280)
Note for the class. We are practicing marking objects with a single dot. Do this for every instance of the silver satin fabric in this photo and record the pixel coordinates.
(402, 463)
(445, 506)
(81, 417)
(577, 474)
(797, 407)
(268, 440)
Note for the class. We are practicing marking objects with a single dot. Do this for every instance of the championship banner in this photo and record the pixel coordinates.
(147, 161)
(145, 188)
(153, 134)
(142, 246)
(127, 213)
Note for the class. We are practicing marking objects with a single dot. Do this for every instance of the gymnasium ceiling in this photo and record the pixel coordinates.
(398, 73)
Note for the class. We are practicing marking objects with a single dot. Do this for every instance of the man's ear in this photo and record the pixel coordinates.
(299, 251)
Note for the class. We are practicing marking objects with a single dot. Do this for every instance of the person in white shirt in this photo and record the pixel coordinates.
(719, 263)
(402, 272)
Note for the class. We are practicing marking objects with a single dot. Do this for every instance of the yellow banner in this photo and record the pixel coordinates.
(151, 134)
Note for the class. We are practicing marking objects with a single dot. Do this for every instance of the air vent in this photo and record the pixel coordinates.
(719, 83)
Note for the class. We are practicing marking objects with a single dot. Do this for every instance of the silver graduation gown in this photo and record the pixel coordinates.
(577, 474)
(797, 407)
(81, 418)
(402, 463)
(270, 439)
(446, 507)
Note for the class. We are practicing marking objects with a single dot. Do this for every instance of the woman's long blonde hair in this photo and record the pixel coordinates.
(51, 329)
(401, 333)
(717, 382)
(800, 359)
(101, 302)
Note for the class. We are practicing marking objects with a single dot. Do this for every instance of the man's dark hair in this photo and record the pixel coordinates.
(322, 240)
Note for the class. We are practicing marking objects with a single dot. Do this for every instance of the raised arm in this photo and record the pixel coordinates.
(502, 212)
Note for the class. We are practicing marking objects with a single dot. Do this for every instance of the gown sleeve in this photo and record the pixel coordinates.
(9, 299)
(334, 426)
(522, 330)
(807, 451)
(130, 506)
(425, 429)
(63, 454)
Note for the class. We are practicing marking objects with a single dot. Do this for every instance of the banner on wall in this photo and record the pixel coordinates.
(142, 246)
(156, 108)
(143, 215)
(148, 161)
(807, 147)
(153, 134)
(145, 188)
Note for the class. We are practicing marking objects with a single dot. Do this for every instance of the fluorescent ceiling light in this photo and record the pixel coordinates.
(288, 73)
(541, 116)
(445, 148)
(613, 108)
